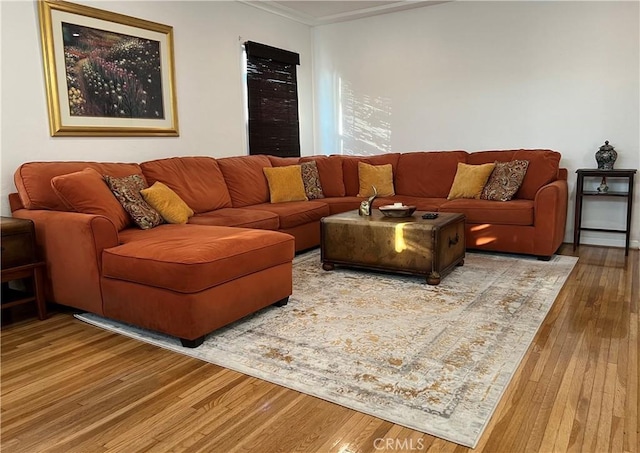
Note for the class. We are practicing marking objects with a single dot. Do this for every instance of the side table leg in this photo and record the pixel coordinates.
(577, 222)
(629, 210)
(38, 284)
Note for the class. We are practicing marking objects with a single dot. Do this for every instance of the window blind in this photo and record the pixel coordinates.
(272, 96)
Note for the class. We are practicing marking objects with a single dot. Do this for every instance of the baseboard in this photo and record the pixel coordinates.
(595, 239)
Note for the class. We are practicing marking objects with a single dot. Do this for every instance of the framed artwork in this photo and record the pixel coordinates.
(107, 74)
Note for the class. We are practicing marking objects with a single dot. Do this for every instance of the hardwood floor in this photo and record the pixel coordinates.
(69, 387)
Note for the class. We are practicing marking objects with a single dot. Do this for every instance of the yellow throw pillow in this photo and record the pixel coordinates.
(470, 180)
(380, 176)
(168, 203)
(285, 183)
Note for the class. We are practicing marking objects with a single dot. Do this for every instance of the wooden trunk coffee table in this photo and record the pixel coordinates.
(410, 245)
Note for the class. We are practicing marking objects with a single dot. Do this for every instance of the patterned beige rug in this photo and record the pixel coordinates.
(434, 359)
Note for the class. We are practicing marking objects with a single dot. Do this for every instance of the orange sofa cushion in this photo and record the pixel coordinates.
(544, 165)
(193, 259)
(33, 180)
(350, 169)
(427, 174)
(341, 204)
(277, 161)
(197, 180)
(330, 172)
(87, 192)
(245, 179)
(295, 213)
(514, 212)
(238, 217)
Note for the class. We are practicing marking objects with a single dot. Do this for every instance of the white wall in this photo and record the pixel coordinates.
(209, 84)
(460, 75)
(489, 75)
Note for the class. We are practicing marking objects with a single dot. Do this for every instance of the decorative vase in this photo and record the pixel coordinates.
(606, 156)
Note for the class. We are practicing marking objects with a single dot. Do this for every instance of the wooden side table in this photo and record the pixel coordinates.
(581, 193)
(20, 261)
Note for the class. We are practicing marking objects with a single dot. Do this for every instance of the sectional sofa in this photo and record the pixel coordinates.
(235, 255)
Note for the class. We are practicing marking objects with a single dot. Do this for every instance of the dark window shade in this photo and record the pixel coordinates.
(255, 49)
(272, 93)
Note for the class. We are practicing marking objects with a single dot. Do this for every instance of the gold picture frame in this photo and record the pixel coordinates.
(107, 74)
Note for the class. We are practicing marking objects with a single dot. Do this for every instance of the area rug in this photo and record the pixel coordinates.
(436, 359)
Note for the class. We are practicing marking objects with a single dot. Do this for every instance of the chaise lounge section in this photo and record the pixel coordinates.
(182, 281)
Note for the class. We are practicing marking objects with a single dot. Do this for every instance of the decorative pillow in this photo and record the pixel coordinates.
(285, 183)
(380, 176)
(331, 174)
(505, 180)
(127, 191)
(86, 192)
(470, 180)
(311, 180)
(168, 203)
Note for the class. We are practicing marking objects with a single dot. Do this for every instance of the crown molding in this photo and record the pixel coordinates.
(290, 13)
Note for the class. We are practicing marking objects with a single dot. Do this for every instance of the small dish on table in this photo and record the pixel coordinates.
(397, 210)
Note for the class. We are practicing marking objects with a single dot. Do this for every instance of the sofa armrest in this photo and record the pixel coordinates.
(550, 217)
(71, 245)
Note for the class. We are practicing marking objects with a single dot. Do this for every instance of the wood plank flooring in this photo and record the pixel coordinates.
(69, 387)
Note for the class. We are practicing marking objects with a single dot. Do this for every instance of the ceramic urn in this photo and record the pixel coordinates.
(606, 156)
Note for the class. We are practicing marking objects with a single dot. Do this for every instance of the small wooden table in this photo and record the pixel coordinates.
(581, 193)
(410, 245)
(20, 261)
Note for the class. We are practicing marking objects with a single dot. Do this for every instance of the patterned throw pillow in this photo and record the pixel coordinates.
(127, 191)
(505, 180)
(311, 180)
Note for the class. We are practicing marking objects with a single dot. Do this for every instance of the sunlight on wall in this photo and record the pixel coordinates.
(364, 121)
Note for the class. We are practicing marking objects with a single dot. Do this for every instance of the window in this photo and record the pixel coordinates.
(272, 97)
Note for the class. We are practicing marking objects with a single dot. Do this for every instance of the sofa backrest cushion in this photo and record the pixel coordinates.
(350, 169)
(245, 179)
(330, 172)
(33, 180)
(197, 180)
(87, 192)
(277, 161)
(544, 165)
(427, 173)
